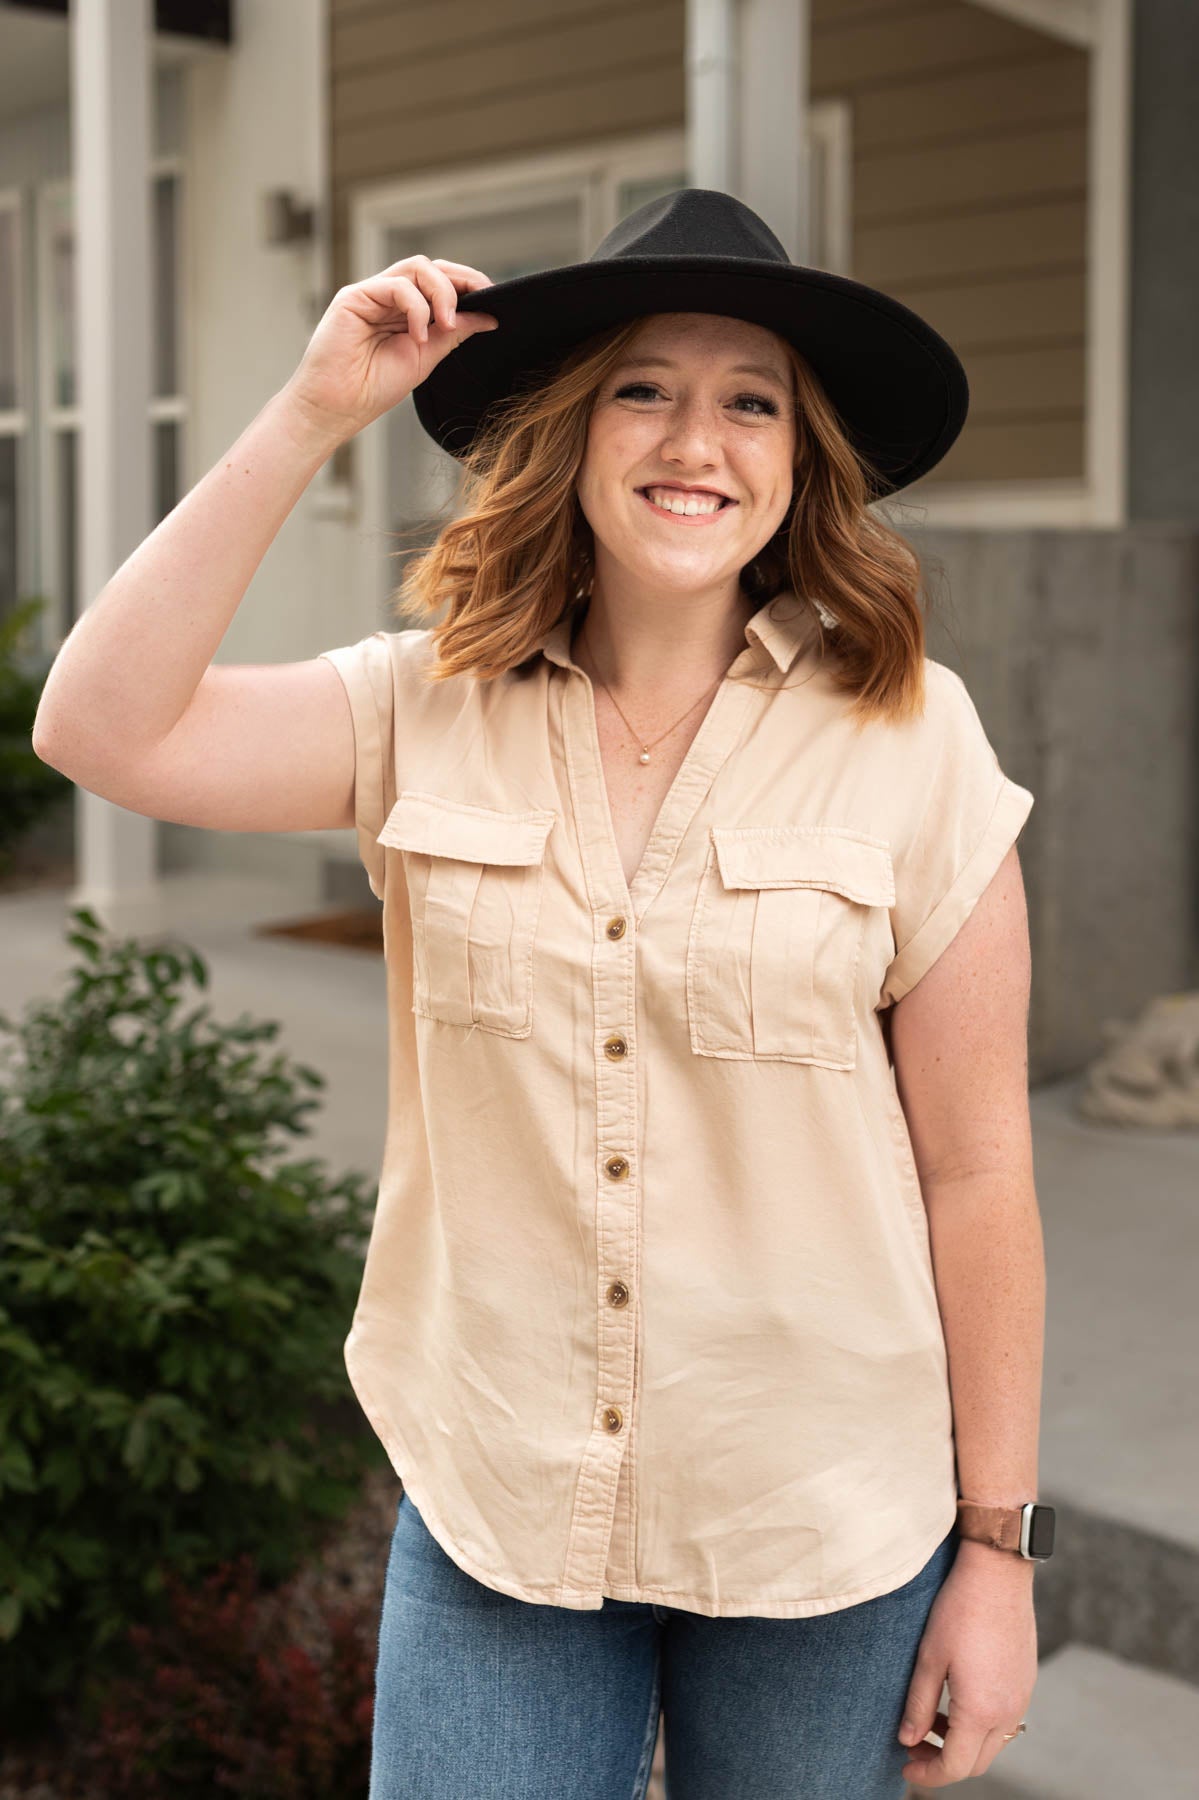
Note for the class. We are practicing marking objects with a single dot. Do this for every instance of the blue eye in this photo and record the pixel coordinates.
(645, 387)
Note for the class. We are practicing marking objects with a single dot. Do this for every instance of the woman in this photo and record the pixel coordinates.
(701, 1317)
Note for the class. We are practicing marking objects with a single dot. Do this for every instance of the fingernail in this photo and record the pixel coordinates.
(907, 1731)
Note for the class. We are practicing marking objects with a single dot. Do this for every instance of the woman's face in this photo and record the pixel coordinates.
(697, 401)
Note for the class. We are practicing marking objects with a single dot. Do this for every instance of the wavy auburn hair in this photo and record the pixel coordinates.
(521, 551)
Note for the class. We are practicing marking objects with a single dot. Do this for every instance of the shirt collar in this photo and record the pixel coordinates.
(783, 627)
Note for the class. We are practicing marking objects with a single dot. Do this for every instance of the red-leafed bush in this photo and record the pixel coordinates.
(225, 1700)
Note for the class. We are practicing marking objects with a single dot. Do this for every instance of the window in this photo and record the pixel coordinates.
(59, 413)
(167, 405)
(12, 417)
(829, 173)
(58, 417)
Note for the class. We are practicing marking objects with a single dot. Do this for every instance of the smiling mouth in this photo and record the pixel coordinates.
(705, 518)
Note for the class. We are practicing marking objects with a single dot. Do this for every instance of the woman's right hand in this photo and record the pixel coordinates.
(378, 340)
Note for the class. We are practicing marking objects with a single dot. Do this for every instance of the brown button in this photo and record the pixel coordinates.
(618, 1294)
(613, 1418)
(616, 927)
(617, 1167)
(615, 1047)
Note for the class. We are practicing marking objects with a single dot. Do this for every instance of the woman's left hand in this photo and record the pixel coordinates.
(981, 1635)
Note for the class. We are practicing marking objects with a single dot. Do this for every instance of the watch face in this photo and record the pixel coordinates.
(1040, 1536)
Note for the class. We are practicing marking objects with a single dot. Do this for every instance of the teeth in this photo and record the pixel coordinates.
(671, 502)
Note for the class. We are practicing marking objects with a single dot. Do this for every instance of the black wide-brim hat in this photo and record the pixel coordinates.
(898, 387)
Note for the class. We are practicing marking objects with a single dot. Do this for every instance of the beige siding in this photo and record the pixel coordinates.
(444, 83)
(969, 204)
(969, 147)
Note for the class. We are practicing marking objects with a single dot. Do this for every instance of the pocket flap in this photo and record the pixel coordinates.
(437, 826)
(824, 856)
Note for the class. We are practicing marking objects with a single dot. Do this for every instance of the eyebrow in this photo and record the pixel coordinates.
(664, 362)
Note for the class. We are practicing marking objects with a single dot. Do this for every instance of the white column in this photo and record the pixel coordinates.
(747, 104)
(774, 114)
(111, 49)
(711, 58)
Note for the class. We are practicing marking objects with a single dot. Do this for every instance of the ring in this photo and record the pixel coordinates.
(1009, 1735)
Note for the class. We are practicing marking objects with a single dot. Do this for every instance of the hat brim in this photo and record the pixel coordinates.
(899, 388)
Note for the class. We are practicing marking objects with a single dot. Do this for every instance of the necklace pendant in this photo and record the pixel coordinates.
(644, 757)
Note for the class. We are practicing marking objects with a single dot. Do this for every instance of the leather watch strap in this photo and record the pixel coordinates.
(997, 1525)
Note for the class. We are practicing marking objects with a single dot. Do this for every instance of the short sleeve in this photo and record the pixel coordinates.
(970, 816)
(366, 672)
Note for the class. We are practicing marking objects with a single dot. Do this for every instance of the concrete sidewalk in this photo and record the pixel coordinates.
(1119, 1443)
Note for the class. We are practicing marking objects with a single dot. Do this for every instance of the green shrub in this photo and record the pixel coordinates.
(173, 1308)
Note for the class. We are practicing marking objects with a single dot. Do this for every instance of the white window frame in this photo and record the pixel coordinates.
(590, 173)
(830, 126)
(15, 420)
(175, 406)
(53, 419)
(1100, 499)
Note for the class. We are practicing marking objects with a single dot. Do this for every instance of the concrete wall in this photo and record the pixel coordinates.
(1081, 650)
(1164, 442)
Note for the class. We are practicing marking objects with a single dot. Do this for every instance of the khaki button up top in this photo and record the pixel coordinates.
(648, 1308)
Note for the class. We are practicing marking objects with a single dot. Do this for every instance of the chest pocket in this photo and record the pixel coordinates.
(474, 878)
(775, 941)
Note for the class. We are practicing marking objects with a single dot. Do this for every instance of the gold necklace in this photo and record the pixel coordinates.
(646, 748)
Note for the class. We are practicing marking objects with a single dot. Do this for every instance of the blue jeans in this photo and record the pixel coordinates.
(479, 1696)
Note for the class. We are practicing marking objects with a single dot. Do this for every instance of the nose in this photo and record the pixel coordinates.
(691, 433)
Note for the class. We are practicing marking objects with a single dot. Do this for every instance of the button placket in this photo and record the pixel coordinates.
(617, 1167)
(616, 915)
(617, 1204)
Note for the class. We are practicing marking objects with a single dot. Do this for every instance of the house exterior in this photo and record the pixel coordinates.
(1021, 172)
